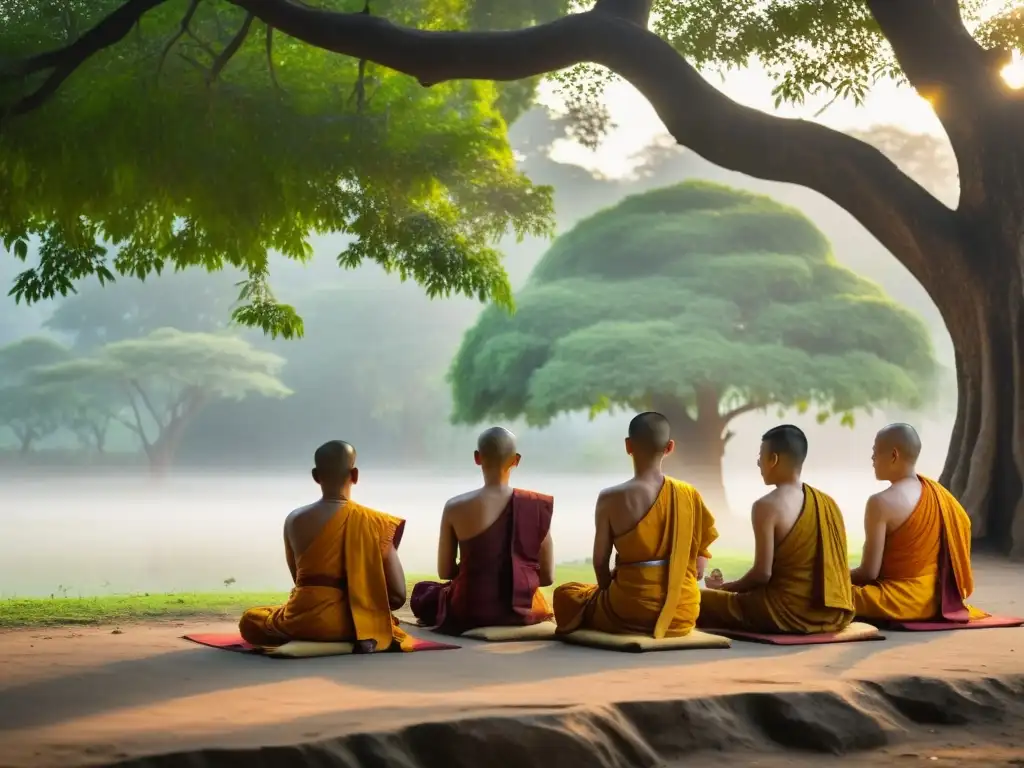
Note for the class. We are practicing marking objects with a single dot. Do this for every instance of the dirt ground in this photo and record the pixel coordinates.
(77, 696)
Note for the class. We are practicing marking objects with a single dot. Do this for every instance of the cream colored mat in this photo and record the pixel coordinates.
(545, 630)
(643, 643)
(305, 649)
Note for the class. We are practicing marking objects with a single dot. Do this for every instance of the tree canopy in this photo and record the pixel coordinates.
(165, 379)
(201, 138)
(689, 292)
(31, 412)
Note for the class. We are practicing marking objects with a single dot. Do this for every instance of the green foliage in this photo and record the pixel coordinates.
(146, 162)
(694, 286)
(818, 48)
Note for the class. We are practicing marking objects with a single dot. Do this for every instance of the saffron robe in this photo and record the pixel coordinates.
(809, 590)
(654, 590)
(340, 592)
(926, 566)
(499, 573)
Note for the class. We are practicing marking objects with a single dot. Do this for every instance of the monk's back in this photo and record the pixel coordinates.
(630, 502)
(899, 502)
(475, 512)
(305, 524)
(787, 504)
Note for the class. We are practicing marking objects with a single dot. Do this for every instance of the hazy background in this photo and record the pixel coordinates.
(371, 370)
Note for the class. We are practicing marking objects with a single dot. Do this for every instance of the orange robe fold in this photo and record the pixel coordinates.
(499, 573)
(340, 592)
(926, 566)
(655, 590)
(809, 590)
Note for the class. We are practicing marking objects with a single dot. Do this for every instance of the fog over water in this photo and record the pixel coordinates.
(105, 534)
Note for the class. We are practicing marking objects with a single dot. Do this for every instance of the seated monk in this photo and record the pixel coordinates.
(660, 530)
(916, 564)
(800, 580)
(344, 562)
(503, 542)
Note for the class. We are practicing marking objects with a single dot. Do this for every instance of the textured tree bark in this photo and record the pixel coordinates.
(985, 463)
(700, 446)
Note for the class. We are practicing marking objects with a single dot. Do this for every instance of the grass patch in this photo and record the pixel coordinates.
(117, 609)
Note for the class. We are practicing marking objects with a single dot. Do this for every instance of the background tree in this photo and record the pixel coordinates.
(167, 378)
(32, 413)
(701, 302)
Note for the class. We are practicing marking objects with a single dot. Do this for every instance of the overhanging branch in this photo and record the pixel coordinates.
(911, 223)
(934, 49)
(908, 220)
(231, 49)
(64, 61)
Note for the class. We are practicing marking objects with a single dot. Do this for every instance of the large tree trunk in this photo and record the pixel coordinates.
(700, 446)
(697, 459)
(985, 464)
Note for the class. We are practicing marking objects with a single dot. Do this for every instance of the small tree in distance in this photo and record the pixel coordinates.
(32, 413)
(166, 378)
(701, 302)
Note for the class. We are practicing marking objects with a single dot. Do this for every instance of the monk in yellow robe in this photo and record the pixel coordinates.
(916, 564)
(800, 580)
(660, 530)
(343, 559)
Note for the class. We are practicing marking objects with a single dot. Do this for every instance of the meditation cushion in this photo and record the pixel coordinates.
(305, 649)
(855, 632)
(643, 643)
(545, 630)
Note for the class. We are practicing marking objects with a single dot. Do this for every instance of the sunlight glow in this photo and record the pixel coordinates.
(1013, 73)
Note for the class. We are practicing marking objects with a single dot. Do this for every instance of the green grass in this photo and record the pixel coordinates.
(118, 609)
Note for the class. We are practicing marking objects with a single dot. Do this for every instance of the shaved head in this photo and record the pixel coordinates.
(334, 460)
(902, 438)
(496, 446)
(649, 432)
(787, 440)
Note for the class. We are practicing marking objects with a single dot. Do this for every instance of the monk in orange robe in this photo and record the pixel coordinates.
(916, 564)
(660, 530)
(800, 580)
(503, 542)
(344, 562)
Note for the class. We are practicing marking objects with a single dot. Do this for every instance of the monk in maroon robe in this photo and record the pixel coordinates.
(494, 552)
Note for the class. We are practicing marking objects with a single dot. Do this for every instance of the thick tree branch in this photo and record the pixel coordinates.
(739, 411)
(895, 209)
(934, 49)
(148, 403)
(64, 61)
(183, 29)
(232, 48)
(911, 223)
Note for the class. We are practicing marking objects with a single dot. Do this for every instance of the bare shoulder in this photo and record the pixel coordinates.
(460, 502)
(767, 505)
(614, 492)
(300, 512)
(882, 504)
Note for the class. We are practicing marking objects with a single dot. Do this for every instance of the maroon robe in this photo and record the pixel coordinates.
(499, 573)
